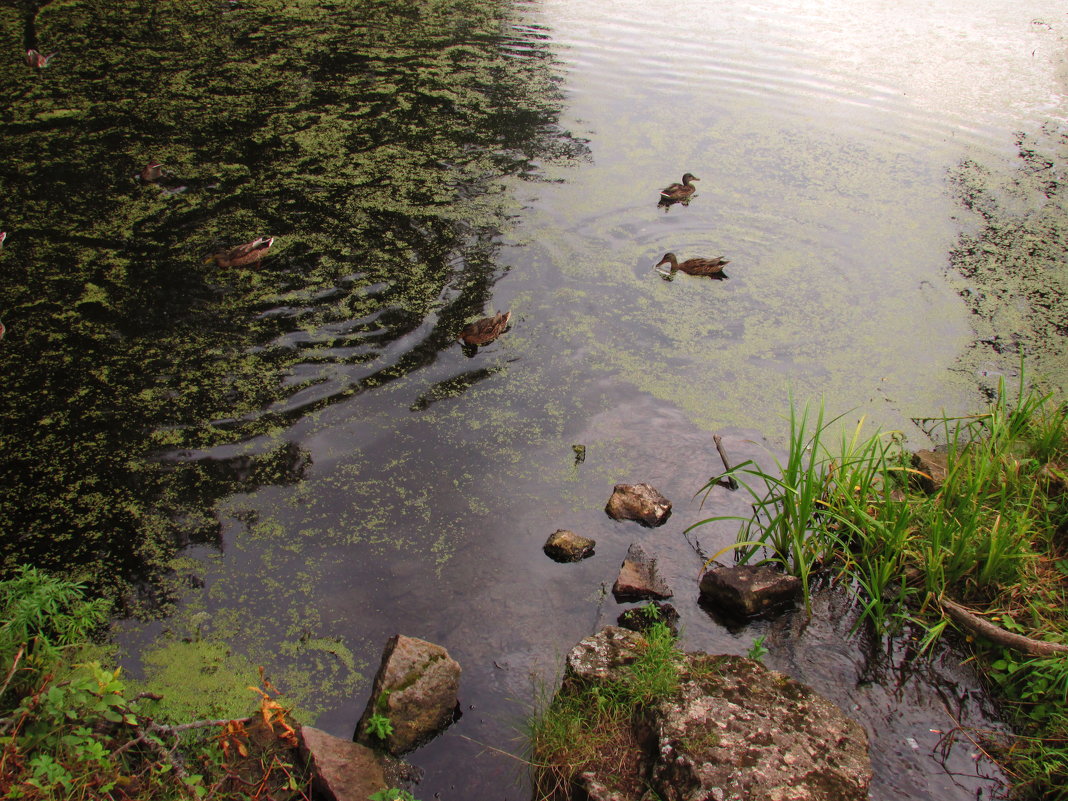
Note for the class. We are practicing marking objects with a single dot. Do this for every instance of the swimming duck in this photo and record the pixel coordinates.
(249, 253)
(680, 191)
(152, 171)
(713, 268)
(36, 60)
(484, 331)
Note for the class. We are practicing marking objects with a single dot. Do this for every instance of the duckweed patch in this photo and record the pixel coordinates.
(1011, 266)
(369, 139)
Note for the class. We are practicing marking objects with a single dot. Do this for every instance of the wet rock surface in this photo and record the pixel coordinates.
(341, 770)
(640, 502)
(737, 730)
(416, 689)
(567, 546)
(743, 591)
(638, 578)
(733, 730)
(602, 656)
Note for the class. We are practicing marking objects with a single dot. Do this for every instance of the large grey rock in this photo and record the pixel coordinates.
(567, 546)
(639, 502)
(741, 731)
(341, 770)
(638, 578)
(748, 590)
(416, 688)
(733, 731)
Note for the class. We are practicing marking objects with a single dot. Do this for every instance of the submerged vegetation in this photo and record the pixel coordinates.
(917, 547)
(1010, 267)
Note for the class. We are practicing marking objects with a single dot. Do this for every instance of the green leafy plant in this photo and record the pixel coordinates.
(392, 794)
(757, 650)
(379, 726)
(42, 614)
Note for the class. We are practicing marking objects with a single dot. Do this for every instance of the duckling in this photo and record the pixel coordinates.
(680, 191)
(36, 60)
(249, 253)
(484, 331)
(713, 268)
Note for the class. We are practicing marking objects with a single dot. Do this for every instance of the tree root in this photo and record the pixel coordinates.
(974, 624)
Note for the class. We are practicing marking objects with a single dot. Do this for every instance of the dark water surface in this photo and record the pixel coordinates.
(298, 460)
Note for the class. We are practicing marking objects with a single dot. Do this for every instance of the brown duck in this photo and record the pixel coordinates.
(484, 331)
(680, 191)
(152, 171)
(713, 268)
(249, 253)
(37, 60)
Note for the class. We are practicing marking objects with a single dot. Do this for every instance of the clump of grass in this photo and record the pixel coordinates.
(587, 724)
(994, 535)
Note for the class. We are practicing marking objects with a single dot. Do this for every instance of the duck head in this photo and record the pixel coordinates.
(37, 60)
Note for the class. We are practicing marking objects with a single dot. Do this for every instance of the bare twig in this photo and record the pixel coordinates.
(150, 727)
(14, 667)
(731, 484)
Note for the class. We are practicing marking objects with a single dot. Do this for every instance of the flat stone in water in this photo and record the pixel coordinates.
(640, 502)
(739, 730)
(567, 546)
(747, 590)
(638, 578)
(732, 730)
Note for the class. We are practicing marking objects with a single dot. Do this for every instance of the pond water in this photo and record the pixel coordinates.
(333, 468)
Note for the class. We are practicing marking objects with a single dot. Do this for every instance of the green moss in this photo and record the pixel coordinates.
(201, 680)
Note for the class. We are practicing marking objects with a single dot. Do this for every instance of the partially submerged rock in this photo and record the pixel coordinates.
(639, 502)
(747, 590)
(732, 730)
(638, 578)
(341, 770)
(932, 467)
(567, 546)
(641, 618)
(415, 691)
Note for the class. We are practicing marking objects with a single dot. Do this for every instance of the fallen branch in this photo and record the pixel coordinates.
(731, 484)
(971, 622)
(168, 755)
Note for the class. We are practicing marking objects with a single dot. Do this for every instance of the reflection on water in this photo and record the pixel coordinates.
(369, 141)
(310, 427)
